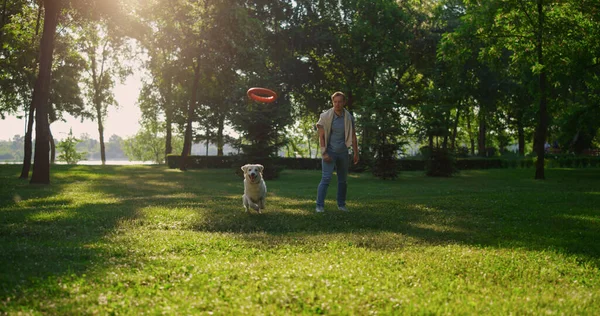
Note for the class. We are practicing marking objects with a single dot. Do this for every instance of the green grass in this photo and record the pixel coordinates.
(145, 239)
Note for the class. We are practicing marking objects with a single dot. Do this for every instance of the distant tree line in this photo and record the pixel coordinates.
(12, 150)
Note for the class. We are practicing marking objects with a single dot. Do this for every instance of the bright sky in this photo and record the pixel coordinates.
(122, 121)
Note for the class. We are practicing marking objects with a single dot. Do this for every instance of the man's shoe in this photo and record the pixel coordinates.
(343, 209)
(320, 209)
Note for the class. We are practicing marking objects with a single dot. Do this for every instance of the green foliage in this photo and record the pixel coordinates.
(462, 72)
(440, 163)
(148, 144)
(67, 150)
(19, 55)
(385, 166)
(572, 161)
(263, 125)
(12, 150)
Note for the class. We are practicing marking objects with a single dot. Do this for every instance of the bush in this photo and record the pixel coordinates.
(490, 151)
(411, 164)
(201, 162)
(526, 163)
(512, 163)
(480, 163)
(365, 163)
(440, 163)
(385, 163)
(462, 152)
(300, 163)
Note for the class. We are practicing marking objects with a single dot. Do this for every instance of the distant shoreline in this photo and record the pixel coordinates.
(89, 162)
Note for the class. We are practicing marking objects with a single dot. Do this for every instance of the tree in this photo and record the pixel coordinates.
(360, 48)
(41, 94)
(68, 150)
(164, 65)
(103, 52)
(149, 143)
(41, 91)
(559, 43)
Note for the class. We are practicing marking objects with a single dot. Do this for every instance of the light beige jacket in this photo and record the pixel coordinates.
(326, 119)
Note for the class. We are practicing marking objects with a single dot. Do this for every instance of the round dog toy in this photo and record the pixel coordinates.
(262, 95)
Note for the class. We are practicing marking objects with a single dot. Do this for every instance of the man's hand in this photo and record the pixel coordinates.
(356, 158)
(326, 157)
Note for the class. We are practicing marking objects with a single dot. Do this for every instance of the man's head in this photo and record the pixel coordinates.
(339, 101)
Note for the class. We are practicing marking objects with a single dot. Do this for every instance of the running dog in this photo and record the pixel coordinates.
(255, 189)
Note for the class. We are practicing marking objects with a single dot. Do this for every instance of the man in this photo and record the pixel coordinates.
(336, 134)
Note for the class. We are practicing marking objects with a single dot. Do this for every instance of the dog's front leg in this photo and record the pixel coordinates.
(245, 202)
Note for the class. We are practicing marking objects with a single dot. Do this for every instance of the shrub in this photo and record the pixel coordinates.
(385, 164)
(411, 164)
(490, 151)
(480, 163)
(526, 163)
(365, 163)
(440, 163)
(462, 152)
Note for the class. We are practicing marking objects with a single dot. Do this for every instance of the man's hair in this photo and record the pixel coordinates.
(337, 94)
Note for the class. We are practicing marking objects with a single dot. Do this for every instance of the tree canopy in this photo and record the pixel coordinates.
(450, 75)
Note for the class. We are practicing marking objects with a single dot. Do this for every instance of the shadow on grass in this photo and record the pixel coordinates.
(51, 232)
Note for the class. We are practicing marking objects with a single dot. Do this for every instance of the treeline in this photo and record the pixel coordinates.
(12, 150)
(446, 74)
(140, 147)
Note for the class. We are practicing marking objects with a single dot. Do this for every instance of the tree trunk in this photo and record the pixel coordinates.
(207, 141)
(446, 135)
(521, 135)
(431, 143)
(28, 144)
(472, 141)
(41, 94)
(100, 131)
(168, 137)
(169, 118)
(455, 128)
(187, 141)
(29, 132)
(52, 147)
(482, 133)
(220, 141)
(542, 126)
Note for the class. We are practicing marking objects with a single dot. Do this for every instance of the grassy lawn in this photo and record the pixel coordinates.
(146, 239)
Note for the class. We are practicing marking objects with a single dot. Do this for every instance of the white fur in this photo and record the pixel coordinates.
(255, 189)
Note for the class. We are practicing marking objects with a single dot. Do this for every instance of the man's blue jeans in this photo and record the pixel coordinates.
(341, 162)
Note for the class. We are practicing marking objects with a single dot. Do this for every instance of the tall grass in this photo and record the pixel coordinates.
(145, 239)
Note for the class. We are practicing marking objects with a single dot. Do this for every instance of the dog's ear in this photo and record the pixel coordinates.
(245, 168)
(260, 168)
